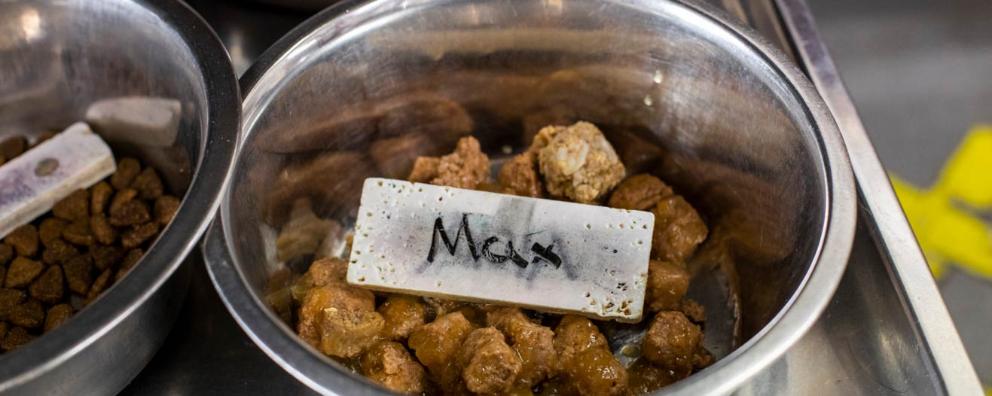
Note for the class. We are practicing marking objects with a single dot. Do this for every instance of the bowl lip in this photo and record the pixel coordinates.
(216, 154)
(792, 321)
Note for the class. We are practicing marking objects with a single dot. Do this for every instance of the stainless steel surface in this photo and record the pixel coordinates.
(55, 60)
(741, 132)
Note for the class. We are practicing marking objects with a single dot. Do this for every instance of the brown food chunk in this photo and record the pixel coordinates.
(130, 259)
(6, 253)
(671, 341)
(78, 233)
(390, 365)
(424, 169)
(58, 252)
(148, 184)
(586, 361)
(99, 285)
(490, 366)
(24, 239)
(3, 330)
(667, 284)
(138, 235)
(102, 230)
(466, 167)
(22, 271)
(578, 162)
(436, 345)
(13, 146)
(532, 342)
(56, 316)
(519, 176)
(395, 156)
(77, 273)
(646, 377)
(402, 314)
(29, 314)
(302, 234)
(10, 298)
(678, 230)
(328, 270)
(347, 306)
(15, 338)
(639, 192)
(575, 334)
(74, 207)
(106, 256)
(166, 207)
(693, 310)
(49, 286)
(50, 230)
(100, 195)
(347, 333)
(131, 212)
(127, 170)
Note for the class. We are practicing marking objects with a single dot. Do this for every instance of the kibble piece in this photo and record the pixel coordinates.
(24, 239)
(29, 314)
(671, 341)
(532, 342)
(436, 345)
(100, 195)
(667, 284)
(130, 259)
(13, 146)
(402, 314)
(106, 256)
(166, 207)
(120, 198)
(678, 230)
(58, 252)
(6, 253)
(99, 285)
(127, 170)
(49, 286)
(77, 273)
(74, 207)
(424, 169)
(390, 365)
(490, 366)
(639, 192)
(519, 176)
(129, 212)
(148, 184)
(10, 298)
(578, 162)
(56, 316)
(78, 233)
(102, 230)
(51, 230)
(138, 235)
(15, 338)
(22, 271)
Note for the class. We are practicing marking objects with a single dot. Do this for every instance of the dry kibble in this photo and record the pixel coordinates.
(56, 316)
(129, 261)
(99, 285)
(127, 170)
(77, 274)
(13, 146)
(10, 298)
(58, 252)
(24, 239)
(15, 338)
(78, 233)
(29, 314)
(165, 208)
(148, 184)
(138, 235)
(106, 256)
(22, 271)
(6, 253)
(74, 207)
(102, 230)
(100, 195)
(129, 213)
(48, 288)
(50, 230)
(120, 198)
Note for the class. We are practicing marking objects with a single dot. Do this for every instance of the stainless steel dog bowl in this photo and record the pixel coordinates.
(679, 90)
(58, 60)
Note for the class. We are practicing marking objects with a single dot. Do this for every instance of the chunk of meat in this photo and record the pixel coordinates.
(519, 176)
(671, 341)
(532, 342)
(639, 192)
(327, 271)
(466, 167)
(575, 334)
(578, 162)
(646, 377)
(436, 345)
(678, 230)
(403, 314)
(424, 169)
(586, 361)
(339, 320)
(667, 284)
(490, 366)
(390, 365)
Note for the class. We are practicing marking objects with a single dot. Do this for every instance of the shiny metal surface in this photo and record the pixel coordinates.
(700, 101)
(55, 61)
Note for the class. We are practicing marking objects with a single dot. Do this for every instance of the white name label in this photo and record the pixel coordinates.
(478, 246)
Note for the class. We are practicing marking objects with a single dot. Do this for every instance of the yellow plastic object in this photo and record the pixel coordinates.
(944, 218)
